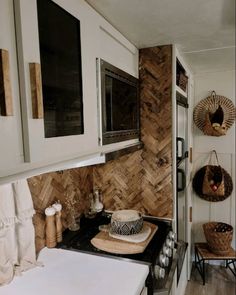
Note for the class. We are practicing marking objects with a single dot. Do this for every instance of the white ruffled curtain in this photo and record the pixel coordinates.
(17, 237)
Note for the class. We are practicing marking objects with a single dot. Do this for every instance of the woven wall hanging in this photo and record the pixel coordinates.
(212, 182)
(214, 115)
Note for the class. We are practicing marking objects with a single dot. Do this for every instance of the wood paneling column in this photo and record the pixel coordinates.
(156, 129)
(143, 180)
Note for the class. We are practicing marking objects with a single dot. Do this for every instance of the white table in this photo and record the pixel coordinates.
(73, 273)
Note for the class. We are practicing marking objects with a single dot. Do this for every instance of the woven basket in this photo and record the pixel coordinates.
(218, 242)
(182, 81)
(208, 129)
(212, 182)
(207, 107)
(207, 188)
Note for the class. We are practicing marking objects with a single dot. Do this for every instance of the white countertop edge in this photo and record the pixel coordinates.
(76, 273)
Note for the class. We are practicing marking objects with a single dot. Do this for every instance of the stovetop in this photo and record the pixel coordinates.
(80, 240)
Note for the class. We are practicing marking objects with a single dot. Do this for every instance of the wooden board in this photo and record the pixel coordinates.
(6, 105)
(36, 90)
(204, 251)
(106, 243)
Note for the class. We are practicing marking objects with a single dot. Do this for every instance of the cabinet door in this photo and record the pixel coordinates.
(63, 131)
(11, 146)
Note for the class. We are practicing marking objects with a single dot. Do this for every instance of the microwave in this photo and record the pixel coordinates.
(119, 104)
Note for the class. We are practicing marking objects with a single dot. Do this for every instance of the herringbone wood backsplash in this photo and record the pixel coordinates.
(120, 182)
(48, 188)
(156, 128)
(141, 180)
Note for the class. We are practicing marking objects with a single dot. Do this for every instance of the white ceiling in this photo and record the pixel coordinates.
(204, 30)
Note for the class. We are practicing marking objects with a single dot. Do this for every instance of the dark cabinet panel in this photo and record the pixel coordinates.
(60, 54)
(121, 105)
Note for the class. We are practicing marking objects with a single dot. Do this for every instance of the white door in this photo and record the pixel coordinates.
(184, 201)
(184, 197)
(182, 128)
(189, 181)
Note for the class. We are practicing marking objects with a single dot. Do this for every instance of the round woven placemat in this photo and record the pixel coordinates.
(209, 105)
(198, 183)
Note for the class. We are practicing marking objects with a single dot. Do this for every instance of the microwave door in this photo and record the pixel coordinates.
(119, 104)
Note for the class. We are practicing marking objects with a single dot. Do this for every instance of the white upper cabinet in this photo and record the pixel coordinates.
(52, 39)
(57, 120)
(11, 145)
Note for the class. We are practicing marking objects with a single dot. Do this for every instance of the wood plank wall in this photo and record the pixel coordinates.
(48, 188)
(156, 128)
(120, 182)
(143, 180)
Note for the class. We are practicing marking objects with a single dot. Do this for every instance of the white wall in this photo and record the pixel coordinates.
(203, 211)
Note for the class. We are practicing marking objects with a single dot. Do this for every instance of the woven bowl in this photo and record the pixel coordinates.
(218, 242)
(126, 222)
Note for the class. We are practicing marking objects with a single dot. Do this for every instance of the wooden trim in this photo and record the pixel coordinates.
(6, 105)
(36, 90)
(117, 154)
(191, 155)
(191, 214)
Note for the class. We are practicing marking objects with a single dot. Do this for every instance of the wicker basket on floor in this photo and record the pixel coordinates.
(218, 242)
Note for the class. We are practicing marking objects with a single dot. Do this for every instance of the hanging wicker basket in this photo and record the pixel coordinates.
(218, 240)
(214, 115)
(212, 182)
